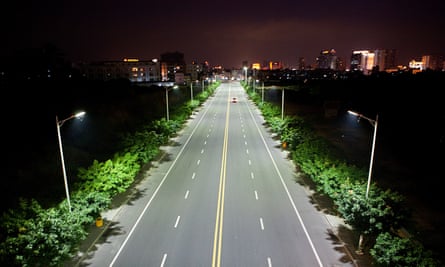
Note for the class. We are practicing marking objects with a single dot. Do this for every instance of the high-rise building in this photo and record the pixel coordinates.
(301, 63)
(171, 64)
(370, 60)
(327, 60)
(433, 62)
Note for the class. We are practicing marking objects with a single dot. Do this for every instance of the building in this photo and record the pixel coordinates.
(171, 64)
(134, 70)
(367, 61)
(327, 60)
(433, 62)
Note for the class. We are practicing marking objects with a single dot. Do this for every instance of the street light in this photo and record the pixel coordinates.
(245, 74)
(262, 92)
(166, 102)
(253, 80)
(191, 91)
(374, 123)
(282, 103)
(59, 124)
(167, 85)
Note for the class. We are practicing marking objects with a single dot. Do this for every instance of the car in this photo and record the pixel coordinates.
(234, 99)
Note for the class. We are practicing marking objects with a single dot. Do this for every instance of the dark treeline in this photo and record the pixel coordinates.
(33, 167)
(410, 146)
(411, 118)
(410, 109)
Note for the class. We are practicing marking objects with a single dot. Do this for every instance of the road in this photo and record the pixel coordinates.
(225, 194)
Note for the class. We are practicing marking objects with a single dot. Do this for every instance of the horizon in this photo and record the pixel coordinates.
(227, 33)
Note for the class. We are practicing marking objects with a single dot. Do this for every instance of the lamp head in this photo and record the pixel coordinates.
(353, 113)
(80, 114)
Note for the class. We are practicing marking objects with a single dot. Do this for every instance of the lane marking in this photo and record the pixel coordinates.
(177, 221)
(186, 194)
(269, 262)
(217, 239)
(261, 223)
(256, 195)
(193, 175)
(164, 258)
(297, 213)
(252, 175)
(130, 233)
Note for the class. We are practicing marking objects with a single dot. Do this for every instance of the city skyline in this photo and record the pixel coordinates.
(227, 33)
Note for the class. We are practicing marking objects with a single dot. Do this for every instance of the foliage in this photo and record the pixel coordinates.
(269, 111)
(382, 211)
(165, 127)
(41, 237)
(34, 236)
(276, 124)
(296, 132)
(313, 156)
(111, 177)
(143, 144)
(379, 214)
(89, 205)
(393, 251)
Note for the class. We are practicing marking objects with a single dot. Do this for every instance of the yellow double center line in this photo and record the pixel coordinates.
(217, 238)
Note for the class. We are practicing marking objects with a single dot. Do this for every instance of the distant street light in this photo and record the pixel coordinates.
(166, 103)
(262, 92)
(282, 103)
(245, 74)
(59, 124)
(191, 91)
(374, 123)
(253, 80)
(167, 86)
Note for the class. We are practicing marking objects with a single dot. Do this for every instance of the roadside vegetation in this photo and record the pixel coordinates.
(37, 234)
(33, 235)
(380, 218)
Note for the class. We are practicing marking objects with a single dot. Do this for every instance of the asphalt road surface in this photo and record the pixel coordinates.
(225, 194)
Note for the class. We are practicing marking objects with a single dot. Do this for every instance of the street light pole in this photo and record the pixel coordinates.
(262, 92)
(59, 124)
(166, 86)
(166, 102)
(282, 103)
(253, 80)
(191, 91)
(374, 123)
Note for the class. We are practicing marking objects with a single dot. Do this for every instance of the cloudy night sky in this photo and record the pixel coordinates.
(226, 32)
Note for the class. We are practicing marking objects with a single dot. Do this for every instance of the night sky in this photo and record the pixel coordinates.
(225, 32)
